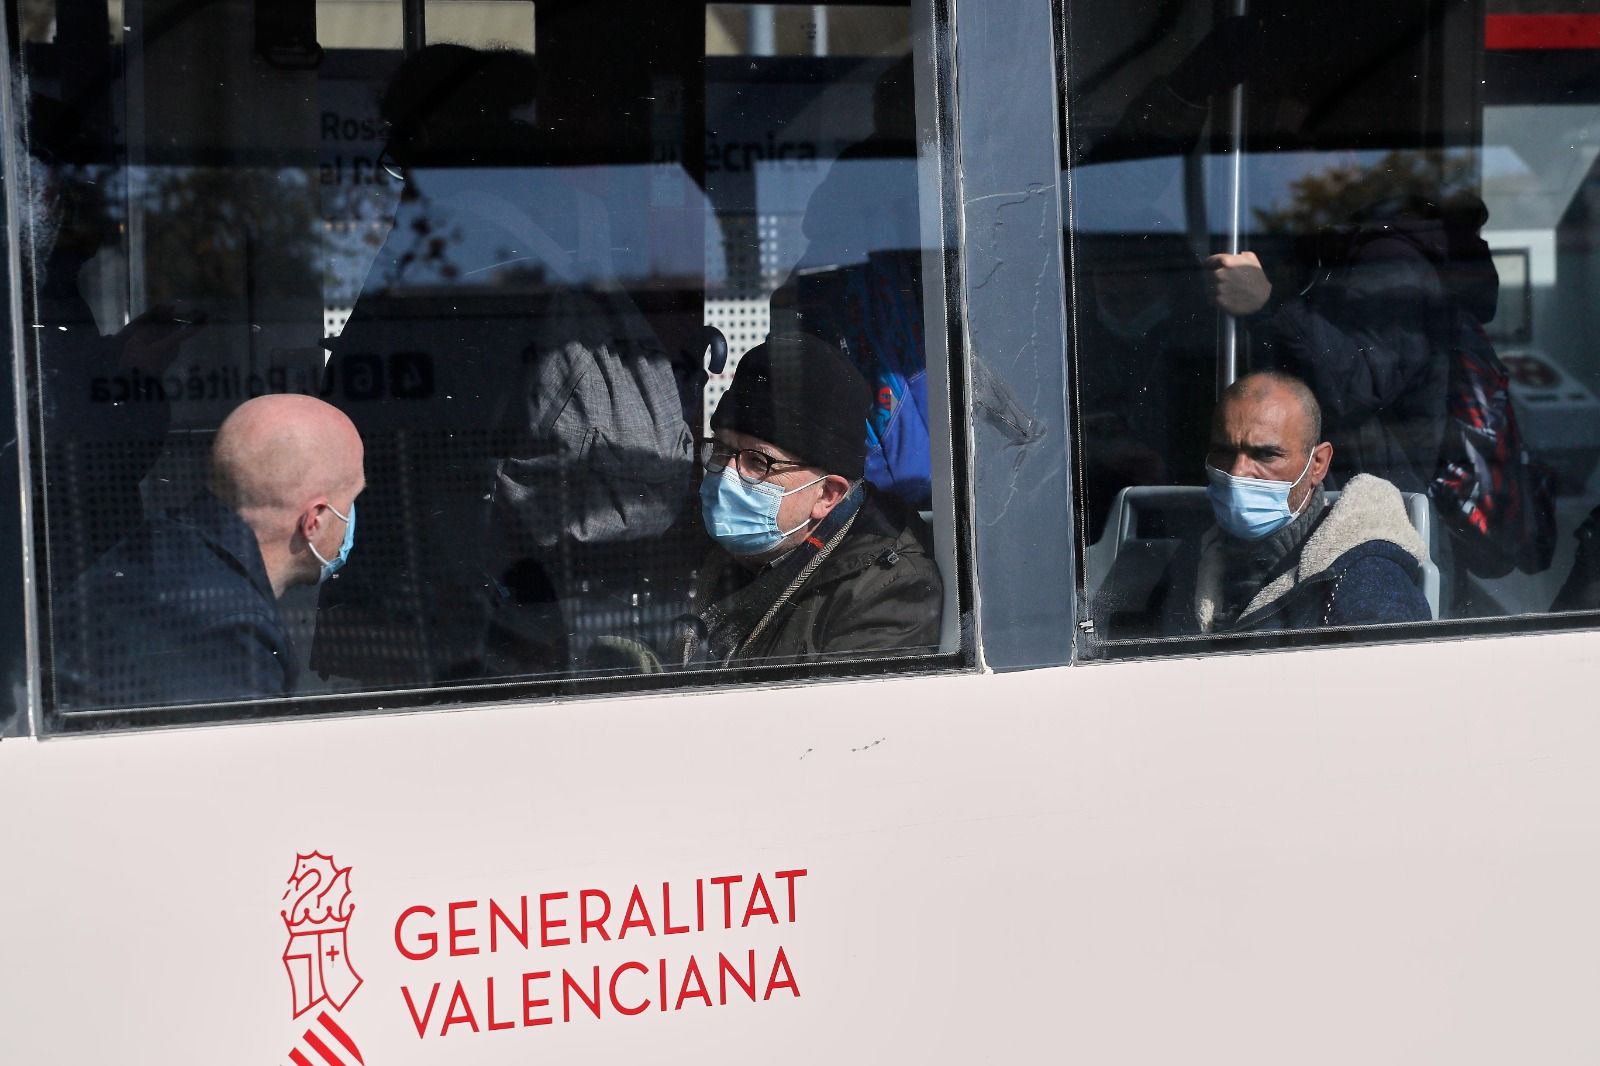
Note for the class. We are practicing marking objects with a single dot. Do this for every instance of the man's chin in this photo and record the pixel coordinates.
(771, 555)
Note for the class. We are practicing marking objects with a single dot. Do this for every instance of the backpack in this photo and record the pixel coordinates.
(606, 455)
(1497, 500)
(872, 312)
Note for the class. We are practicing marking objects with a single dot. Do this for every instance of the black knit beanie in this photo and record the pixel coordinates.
(801, 394)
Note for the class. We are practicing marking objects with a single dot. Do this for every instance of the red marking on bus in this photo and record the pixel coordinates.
(341, 1036)
(1511, 33)
(322, 1049)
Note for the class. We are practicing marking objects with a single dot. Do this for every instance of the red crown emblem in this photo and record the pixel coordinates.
(317, 920)
(321, 892)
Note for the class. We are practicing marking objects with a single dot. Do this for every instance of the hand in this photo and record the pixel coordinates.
(1237, 284)
(150, 342)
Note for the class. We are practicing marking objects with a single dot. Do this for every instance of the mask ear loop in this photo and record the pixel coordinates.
(313, 547)
(1296, 512)
(318, 554)
(791, 492)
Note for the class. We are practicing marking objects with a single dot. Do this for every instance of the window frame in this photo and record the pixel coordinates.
(20, 711)
(1454, 34)
(23, 631)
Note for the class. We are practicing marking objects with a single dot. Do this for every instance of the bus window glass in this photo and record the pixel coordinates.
(480, 23)
(382, 347)
(1331, 317)
(361, 23)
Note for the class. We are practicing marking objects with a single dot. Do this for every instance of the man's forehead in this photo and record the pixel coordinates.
(734, 439)
(1267, 417)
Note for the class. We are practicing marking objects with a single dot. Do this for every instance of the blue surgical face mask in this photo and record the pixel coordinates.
(742, 517)
(331, 566)
(1251, 508)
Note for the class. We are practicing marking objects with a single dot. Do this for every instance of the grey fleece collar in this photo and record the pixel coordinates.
(1368, 509)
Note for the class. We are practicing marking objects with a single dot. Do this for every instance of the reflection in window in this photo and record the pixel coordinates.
(360, 23)
(39, 21)
(1398, 222)
(807, 30)
(481, 23)
(496, 294)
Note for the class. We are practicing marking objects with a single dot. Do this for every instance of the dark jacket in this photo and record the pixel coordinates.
(1372, 341)
(878, 592)
(1374, 337)
(1360, 564)
(181, 611)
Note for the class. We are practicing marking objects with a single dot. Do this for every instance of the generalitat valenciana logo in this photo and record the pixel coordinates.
(318, 957)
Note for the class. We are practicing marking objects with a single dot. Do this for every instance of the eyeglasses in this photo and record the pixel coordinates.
(751, 464)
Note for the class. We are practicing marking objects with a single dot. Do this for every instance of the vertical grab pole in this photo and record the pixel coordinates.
(414, 23)
(763, 30)
(1228, 361)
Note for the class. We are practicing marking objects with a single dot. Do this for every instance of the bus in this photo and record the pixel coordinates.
(549, 758)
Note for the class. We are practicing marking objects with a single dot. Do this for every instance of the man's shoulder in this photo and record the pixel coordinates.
(203, 556)
(884, 532)
(1373, 560)
(171, 615)
(1374, 554)
(1368, 513)
(1375, 582)
(151, 552)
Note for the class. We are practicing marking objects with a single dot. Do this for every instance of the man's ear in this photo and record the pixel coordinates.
(1321, 459)
(310, 520)
(834, 488)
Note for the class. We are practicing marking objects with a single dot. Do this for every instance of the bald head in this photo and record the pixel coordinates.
(290, 466)
(278, 451)
(1272, 388)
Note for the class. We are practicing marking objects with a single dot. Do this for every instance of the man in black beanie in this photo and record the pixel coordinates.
(812, 561)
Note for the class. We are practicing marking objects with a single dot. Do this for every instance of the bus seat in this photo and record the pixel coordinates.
(1420, 510)
(1125, 567)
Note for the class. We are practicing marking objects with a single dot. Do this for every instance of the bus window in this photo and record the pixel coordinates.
(1329, 332)
(383, 347)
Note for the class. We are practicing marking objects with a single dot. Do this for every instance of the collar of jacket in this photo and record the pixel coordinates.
(876, 534)
(1368, 509)
(1249, 564)
(230, 537)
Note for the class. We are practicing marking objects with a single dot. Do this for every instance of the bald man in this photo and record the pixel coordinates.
(186, 609)
(1281, 556)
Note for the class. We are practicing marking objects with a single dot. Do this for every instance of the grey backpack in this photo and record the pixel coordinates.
(607, 455)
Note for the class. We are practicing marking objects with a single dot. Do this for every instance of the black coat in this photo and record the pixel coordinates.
(181, 611)
(1373, 343)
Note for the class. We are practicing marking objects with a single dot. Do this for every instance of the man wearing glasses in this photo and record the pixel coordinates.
(811, 560)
